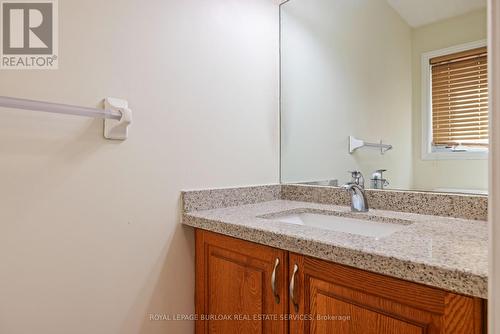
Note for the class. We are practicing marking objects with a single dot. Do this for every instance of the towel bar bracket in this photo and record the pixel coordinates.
(113, 128)
(355, 143)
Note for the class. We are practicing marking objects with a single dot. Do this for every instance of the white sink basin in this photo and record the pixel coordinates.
(368, 228)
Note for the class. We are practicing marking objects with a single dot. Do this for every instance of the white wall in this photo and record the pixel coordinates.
(465, 174)
(340, 61)
(90, 240)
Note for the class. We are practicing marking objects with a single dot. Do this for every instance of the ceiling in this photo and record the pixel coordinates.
(421, 12)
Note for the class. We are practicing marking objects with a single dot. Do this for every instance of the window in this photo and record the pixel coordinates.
(456, 105)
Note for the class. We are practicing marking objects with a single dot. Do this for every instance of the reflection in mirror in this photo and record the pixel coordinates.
(394, 89)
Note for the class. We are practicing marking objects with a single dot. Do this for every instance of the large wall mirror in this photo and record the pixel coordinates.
(394, 89)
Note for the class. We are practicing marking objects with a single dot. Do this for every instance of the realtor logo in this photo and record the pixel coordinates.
(29, 34)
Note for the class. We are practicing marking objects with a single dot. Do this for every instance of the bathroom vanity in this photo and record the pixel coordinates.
(268, 262)
(294, 293)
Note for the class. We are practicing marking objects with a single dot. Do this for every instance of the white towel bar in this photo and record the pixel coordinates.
(117, 116)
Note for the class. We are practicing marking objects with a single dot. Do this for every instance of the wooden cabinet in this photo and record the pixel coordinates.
(234, 294)
(234, 286)
(343, 300)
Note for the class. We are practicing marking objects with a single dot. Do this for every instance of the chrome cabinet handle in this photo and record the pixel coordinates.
(292, 288)
(273, 281)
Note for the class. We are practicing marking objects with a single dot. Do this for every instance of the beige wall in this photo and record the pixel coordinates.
(465, 174)
(90, 241)
(339, 60)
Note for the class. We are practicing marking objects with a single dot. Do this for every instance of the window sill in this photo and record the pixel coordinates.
(450, 155)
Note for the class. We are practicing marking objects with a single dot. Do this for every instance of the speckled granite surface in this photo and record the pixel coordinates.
(439, 204)
(447, 253)
(220, 198)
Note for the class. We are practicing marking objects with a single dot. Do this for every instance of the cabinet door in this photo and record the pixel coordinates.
(235, 280)
(332, 298)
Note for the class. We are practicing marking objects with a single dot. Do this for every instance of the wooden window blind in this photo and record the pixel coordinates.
(460, 99)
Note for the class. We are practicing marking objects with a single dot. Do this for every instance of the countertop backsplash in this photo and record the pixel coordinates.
(465, 206)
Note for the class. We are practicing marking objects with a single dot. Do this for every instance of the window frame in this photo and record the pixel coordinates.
(429, 152)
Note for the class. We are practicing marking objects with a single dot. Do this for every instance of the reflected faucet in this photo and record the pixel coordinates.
(359, 202)
(377, 180)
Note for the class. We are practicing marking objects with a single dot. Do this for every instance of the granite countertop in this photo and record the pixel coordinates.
(443, 252)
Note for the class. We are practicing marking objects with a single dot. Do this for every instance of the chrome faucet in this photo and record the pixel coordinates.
(359, 202)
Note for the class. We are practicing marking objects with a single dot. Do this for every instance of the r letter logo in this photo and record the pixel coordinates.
(29, 34)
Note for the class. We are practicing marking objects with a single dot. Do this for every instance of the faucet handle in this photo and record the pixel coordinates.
(378, 174)
(357, 178)
(354, 174)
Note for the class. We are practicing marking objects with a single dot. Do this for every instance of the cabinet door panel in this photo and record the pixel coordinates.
(234, 289)
(333, 311)
(233, 286)
(361, 320)
(333, 298)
